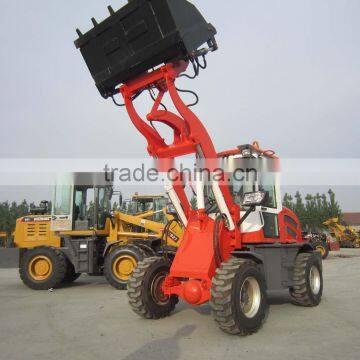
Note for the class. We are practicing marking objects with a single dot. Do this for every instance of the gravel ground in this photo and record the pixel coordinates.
(90, 320)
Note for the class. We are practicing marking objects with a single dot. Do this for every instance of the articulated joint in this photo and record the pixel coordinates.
(194, 292)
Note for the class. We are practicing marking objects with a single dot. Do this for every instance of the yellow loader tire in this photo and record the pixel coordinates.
(43, 268)
(120, 263)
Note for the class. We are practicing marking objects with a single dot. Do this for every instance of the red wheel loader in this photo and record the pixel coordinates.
(239, 242)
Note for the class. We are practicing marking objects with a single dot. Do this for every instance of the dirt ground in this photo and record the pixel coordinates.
(90, 320)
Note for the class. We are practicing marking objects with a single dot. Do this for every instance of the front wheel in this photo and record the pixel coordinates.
(43, 268)
(120, 263)
(145, 292)
(308, 280)
(238, 297)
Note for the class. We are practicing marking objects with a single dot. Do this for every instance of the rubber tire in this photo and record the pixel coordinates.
(149, 251)
(139, 294)
(324, 245)
(58, 260)
(70, 275)
(301, 292)
(131, 250)
(225, 299)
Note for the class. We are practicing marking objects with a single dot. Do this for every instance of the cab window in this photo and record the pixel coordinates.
(103, 206)
(240, 185)
(159, 206)
(84, 206)
(271, 225)
(62, 203)
(80, 205)
(145, 205)
(271, 219)
(267, 184)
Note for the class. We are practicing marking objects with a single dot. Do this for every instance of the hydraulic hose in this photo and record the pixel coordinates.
(216, 243)
(165, 236)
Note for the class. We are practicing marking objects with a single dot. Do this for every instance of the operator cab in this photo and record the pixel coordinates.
(142, 204)
(81, 202)
(255, 170)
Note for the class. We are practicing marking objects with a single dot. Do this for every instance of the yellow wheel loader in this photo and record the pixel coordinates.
(346, 235)
(84, 236)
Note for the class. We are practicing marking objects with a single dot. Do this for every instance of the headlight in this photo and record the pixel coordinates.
(254, 198)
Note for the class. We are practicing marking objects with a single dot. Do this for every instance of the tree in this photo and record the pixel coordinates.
(9, 213)
(299, 207)
(193, 202)
(116, 206)
(288, 201)
(317, 209)
(333, 207)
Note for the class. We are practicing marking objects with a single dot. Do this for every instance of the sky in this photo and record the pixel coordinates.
(286, 74)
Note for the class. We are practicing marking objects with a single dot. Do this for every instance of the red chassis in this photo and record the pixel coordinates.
(195, 263)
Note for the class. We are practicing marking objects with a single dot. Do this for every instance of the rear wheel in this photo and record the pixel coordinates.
(238, 297)
(145, 292)
(120, 263)
(308, 280)
(43, 268)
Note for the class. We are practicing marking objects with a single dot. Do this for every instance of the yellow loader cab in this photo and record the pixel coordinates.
(81, 234)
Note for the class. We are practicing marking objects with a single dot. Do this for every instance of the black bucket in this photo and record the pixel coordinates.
(141, 35)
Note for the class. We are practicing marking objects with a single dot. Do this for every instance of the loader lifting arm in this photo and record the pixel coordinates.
(190, 137)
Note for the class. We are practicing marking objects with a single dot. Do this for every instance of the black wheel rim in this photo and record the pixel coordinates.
(156, 289)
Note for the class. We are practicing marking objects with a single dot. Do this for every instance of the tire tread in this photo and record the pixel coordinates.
(135, 291)
(221, 302)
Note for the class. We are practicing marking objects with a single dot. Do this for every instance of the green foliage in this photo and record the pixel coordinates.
(9, 212)
(116, 206)
(315, 210)
(193, 202)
